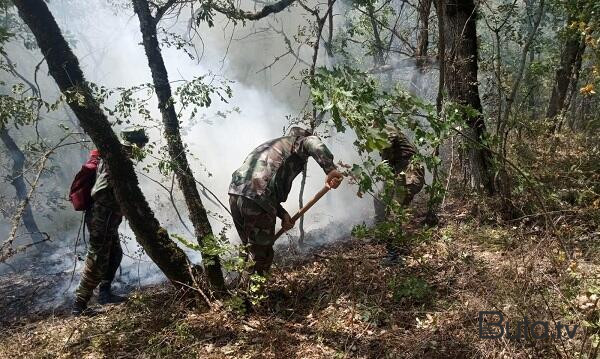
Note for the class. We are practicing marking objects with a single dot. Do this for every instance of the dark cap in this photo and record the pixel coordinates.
(134, 135)
(299, 131)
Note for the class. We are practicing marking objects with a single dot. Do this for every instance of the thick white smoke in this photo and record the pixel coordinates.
(107, 42)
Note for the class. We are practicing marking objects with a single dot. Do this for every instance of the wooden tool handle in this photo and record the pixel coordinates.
(306, 207)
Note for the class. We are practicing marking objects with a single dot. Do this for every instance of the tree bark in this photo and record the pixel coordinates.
(570, 56)
(424, 10)
(183, 172)
(461, 84)
(378, 43)
(433, 204)
(64, 68)
(18, 183)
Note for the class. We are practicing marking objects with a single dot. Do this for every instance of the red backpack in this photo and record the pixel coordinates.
(80, 194)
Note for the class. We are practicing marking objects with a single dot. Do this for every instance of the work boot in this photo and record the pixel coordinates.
(105, 296)
(80, 308)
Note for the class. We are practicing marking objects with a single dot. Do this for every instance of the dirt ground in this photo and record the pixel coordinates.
(343, 300)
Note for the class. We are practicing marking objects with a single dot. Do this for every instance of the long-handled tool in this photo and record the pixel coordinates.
(306, 207)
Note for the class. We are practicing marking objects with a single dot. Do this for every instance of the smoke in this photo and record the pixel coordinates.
(107, 42)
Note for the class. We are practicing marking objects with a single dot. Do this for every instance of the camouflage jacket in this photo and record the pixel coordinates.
(269, 170)
(400, 152)
(101, 178)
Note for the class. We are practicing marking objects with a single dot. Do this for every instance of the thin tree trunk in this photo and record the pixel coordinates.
(314, 121)
(64, 68)
(530, 79)
(300, 205)
(572, 91)
(329, 43)
(461, 84)
(18, 183)
(569, 57)
(431, 218)
(378, 51)
(522, 62)
(422, 45)
(183, 172)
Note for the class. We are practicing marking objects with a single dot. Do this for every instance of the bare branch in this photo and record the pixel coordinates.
(6, 250)
(171, 198)
(288, 43)
(161, 10)
(238, 14)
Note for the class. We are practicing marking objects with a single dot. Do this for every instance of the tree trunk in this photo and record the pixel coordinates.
(378, 43)
(422, 45)
(183, 172)
(64, 68)
(570, 56)
(433, 204)
(19, 183)
(461, 84)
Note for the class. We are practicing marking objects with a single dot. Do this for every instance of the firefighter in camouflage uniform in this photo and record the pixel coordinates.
(410, 176)
(263, 182)
(409, 180)
(103, 219)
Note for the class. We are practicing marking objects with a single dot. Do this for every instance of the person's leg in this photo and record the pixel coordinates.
(379, 206)
(255, 227)
(235, 205)
(98, 220)
(414, 179)
(262, 256)
(259, 228)
(114, 261)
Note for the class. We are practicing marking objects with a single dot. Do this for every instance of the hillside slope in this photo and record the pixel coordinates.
(342, 301)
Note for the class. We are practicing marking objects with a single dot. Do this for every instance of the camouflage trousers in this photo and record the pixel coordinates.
(104, 248)
(405, 188)
(256, 228)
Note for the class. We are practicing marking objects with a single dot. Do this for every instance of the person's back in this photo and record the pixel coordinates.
(267, 174)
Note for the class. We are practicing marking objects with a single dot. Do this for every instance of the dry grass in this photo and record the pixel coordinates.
(343, 303)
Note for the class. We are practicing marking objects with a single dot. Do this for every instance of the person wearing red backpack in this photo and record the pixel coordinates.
(102, 217)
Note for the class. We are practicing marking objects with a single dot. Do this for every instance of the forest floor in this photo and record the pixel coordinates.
(343, 301)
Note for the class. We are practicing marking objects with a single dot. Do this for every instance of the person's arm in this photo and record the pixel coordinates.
(286, 221)
(281, 212)
(314, 147)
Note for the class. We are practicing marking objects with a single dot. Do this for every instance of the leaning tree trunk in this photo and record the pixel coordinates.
(183, 172)
(64, 68)
(19, 184)
(461, 84)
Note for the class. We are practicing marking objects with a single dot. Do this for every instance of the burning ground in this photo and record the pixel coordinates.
(340, 300)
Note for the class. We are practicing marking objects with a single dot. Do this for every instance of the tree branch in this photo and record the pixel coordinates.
(161, 10)
(239, 14)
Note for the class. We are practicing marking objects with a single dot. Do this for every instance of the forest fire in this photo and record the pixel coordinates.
(300, 179)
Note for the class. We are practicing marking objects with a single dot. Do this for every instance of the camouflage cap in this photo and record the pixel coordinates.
(299, 131)
(134, 135)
